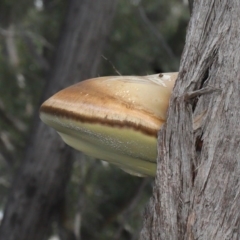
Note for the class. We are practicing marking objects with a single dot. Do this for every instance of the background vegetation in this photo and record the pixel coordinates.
(147, 37)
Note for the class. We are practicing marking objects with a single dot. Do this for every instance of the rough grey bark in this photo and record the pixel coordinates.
(40, 184)
(197, 192)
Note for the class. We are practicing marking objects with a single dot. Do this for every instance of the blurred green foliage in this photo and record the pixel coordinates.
(147, 37)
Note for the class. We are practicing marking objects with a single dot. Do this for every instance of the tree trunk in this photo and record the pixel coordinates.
(197, 192)
(40, 184)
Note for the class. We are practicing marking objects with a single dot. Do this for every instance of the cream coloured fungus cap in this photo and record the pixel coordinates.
(115, 119)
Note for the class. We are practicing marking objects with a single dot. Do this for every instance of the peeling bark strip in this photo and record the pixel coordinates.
(197, 192)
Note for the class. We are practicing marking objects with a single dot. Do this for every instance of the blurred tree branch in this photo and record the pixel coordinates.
(5, 153)
(11, 120)
(39, 58)
(11, 33)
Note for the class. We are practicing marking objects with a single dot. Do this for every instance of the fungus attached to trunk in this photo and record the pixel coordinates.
(113, 118)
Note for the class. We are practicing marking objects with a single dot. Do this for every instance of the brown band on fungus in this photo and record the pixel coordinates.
(64, 113)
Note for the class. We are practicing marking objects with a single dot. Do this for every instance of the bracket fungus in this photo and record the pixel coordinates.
(115, 119)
